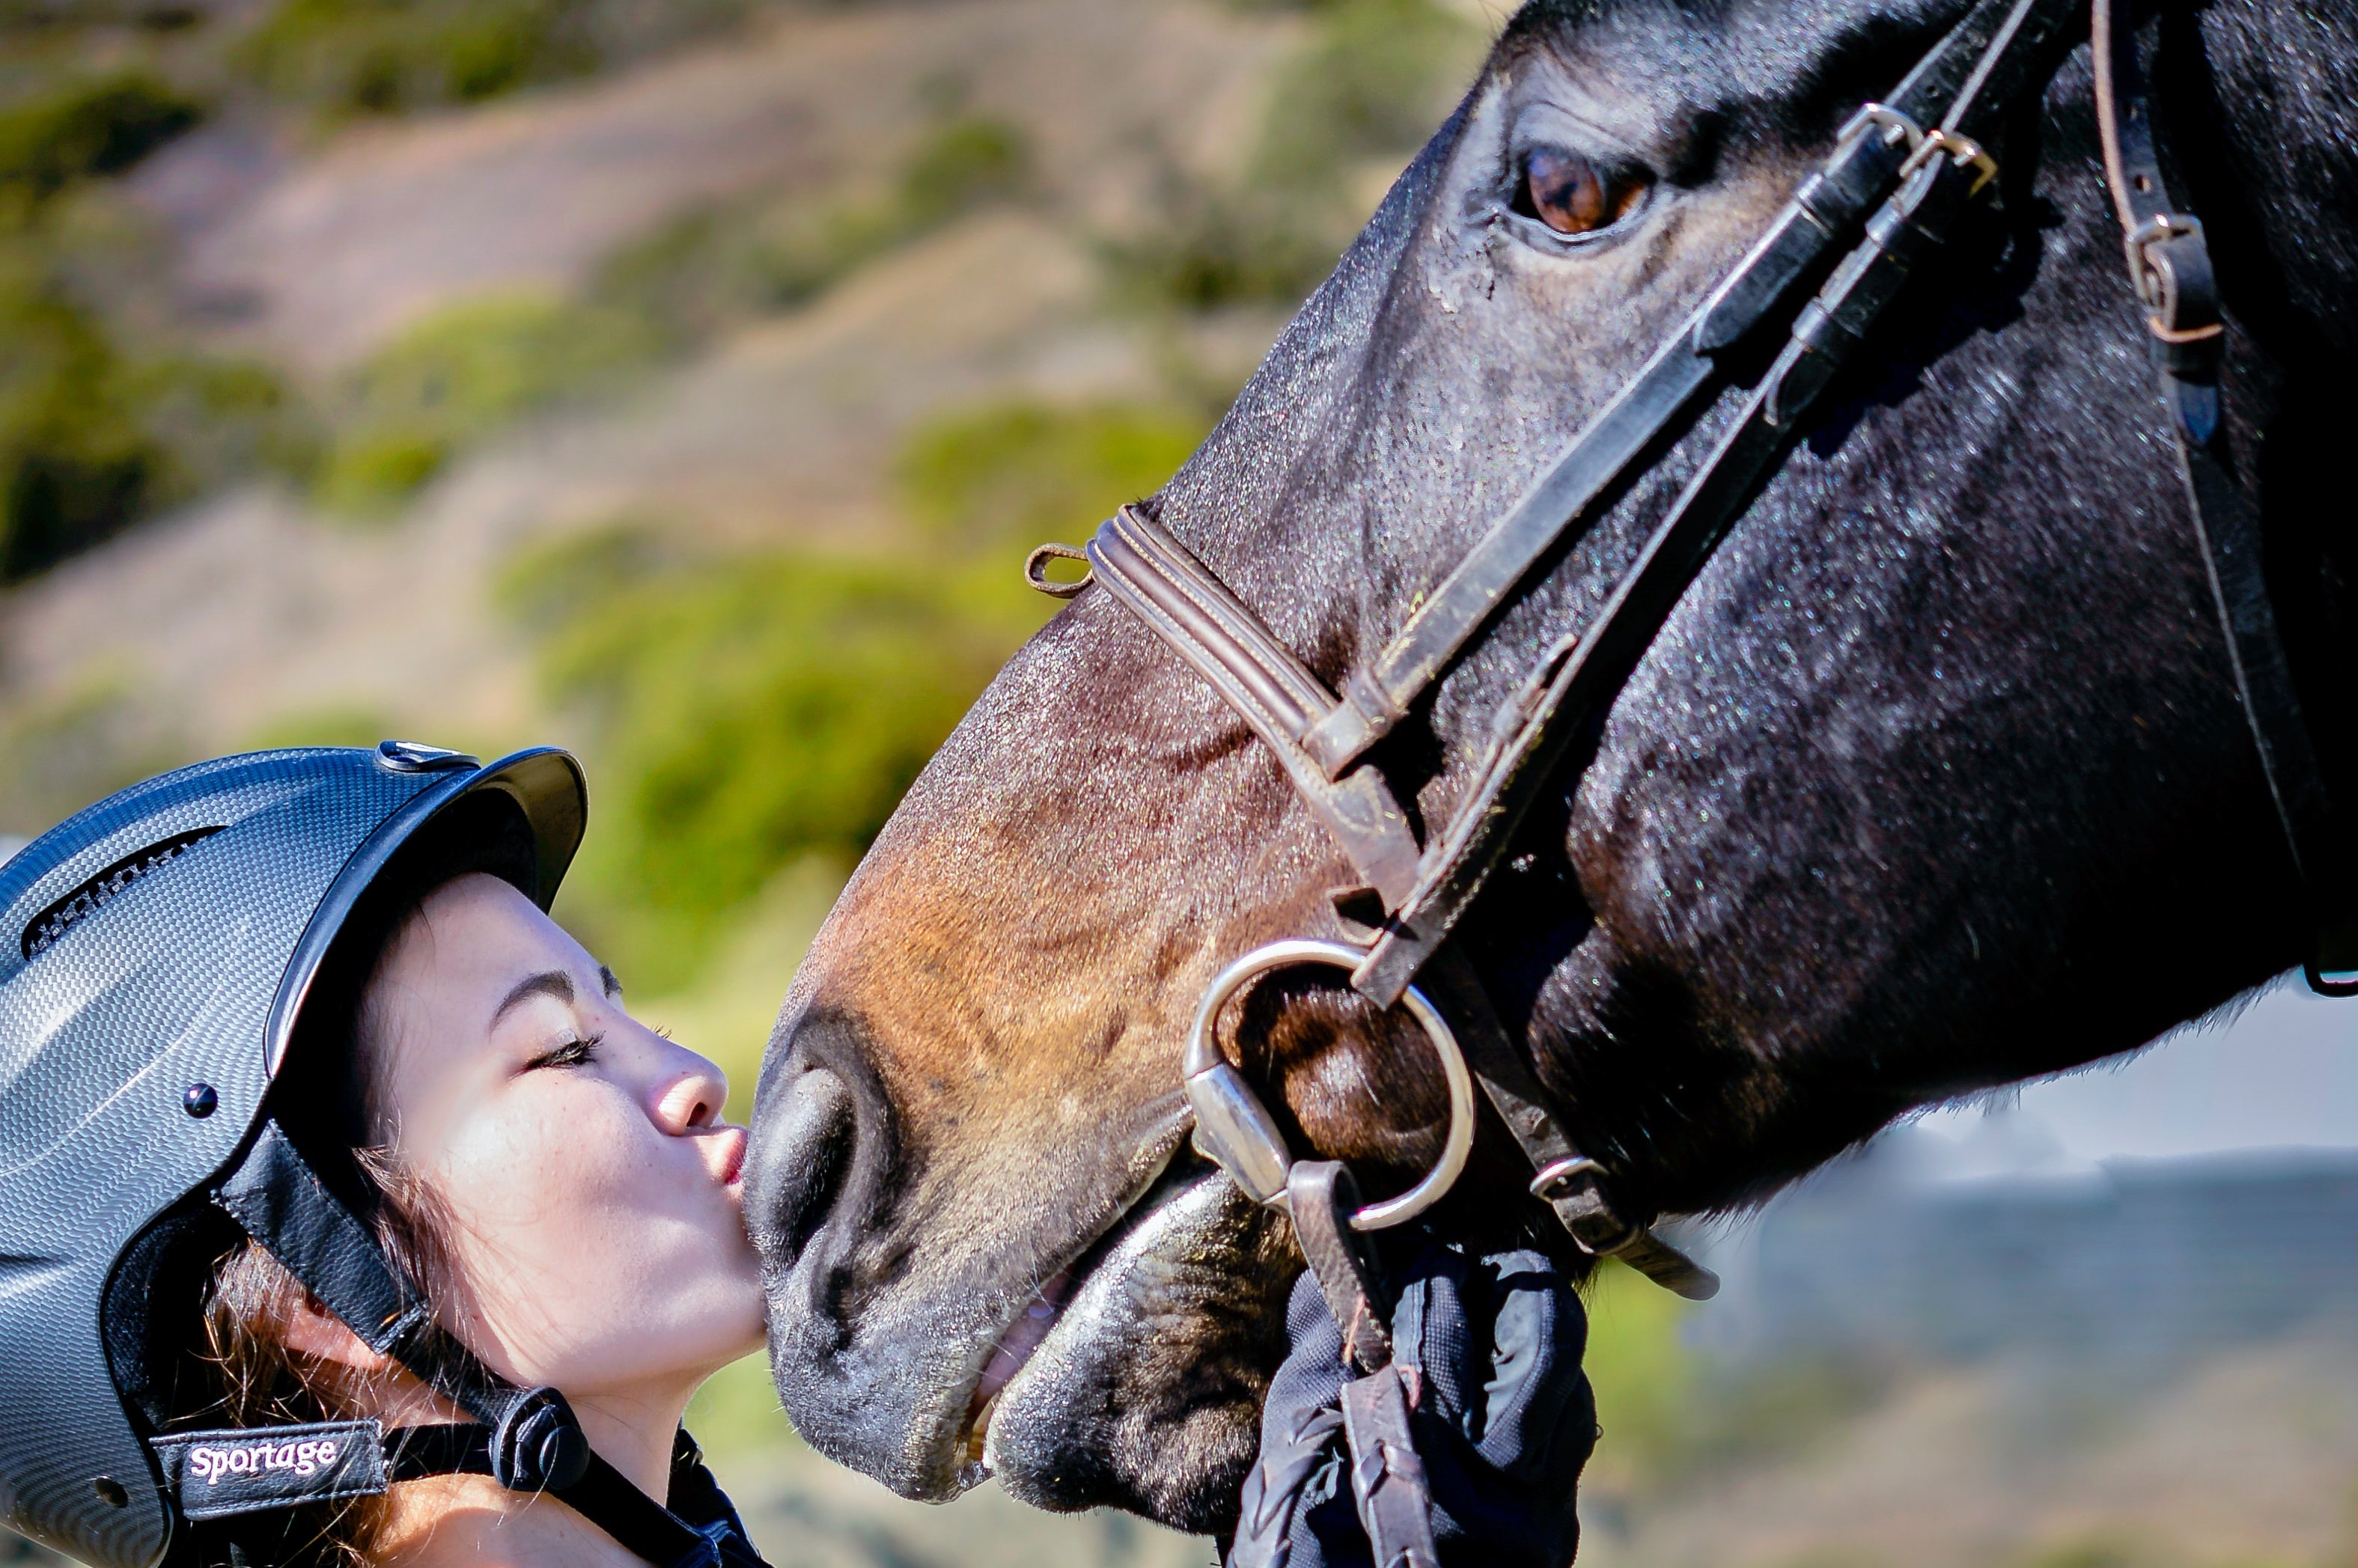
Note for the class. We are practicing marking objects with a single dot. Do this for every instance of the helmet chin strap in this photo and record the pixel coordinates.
(528, 1439)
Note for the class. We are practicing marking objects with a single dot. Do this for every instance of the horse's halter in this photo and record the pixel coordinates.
(1884, 202)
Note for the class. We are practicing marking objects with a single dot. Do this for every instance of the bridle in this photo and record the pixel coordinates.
(1883, 204)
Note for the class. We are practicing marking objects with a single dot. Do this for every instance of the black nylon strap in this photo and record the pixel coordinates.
(413, 1452)
(226, 1474)
(709, 1535)
(279, 1201)
(603, 1496)
(645, 1528)
(284, 1204)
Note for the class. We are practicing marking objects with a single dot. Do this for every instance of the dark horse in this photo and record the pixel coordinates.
(1935, 779)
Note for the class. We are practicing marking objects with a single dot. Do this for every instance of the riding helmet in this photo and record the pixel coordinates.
(155, 952)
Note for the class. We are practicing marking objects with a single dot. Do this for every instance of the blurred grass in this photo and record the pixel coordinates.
(1671, 1416)
(748, 711)
(462, 373)
(389, 57)
(1374, 79)
(727, 263)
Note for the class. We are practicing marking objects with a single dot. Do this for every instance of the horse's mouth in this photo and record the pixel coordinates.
(1133, 1376)
(1044, 1314)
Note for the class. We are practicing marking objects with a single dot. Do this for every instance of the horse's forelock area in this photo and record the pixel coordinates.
(1935, 779)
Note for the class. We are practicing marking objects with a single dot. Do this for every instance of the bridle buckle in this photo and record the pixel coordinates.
(1896, 127)
(2170, 264)
(1556, 1180)
(1962, 151)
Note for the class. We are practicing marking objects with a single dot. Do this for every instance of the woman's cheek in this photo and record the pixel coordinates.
(525, 1179)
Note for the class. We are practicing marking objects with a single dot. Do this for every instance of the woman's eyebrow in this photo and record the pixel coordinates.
(606, 977)
(548, 983)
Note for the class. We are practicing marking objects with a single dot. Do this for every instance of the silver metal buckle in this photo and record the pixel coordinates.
(1898, 127)
(1964, 151)
(1550, 1184)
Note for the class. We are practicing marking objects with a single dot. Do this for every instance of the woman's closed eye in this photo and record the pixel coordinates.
(574, 1052)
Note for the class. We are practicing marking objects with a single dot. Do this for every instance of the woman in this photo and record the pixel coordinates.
(350, 1217)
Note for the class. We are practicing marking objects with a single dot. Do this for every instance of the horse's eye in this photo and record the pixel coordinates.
(1572, 195)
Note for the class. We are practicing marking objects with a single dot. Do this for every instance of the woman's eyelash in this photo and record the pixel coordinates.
(573, 1053)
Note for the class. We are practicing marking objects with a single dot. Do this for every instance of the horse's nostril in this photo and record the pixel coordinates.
(802, 1138)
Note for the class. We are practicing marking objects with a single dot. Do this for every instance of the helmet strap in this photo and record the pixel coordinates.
(528, 1439)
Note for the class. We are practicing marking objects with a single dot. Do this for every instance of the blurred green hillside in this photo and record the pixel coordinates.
(755, 693)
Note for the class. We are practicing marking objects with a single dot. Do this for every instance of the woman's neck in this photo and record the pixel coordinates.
(633, 1430)
(471, 1521)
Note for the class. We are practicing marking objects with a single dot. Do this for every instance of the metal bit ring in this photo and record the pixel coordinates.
(1235, 1131)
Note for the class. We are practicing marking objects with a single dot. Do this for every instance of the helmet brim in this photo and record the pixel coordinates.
(547, 785)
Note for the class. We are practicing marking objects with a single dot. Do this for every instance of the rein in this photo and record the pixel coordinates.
(1884, 202)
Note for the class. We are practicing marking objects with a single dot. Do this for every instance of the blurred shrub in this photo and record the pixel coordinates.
(91, 436)
(737, 1411)
(744, 712)
(711, 268)
(747, 710)
(961, 165)
(388, 56)
(75, 461)
(1213, 248)
(62, 753)
(1642, 1376)
(383, 56)
(1374, 83)
(1669, 1414)
(91, 441)
(222, 420)
(1024, 471)
(1377, 81)
(81, 129)
(462, 373)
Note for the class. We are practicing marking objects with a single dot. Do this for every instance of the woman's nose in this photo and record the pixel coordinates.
(694, 1097)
